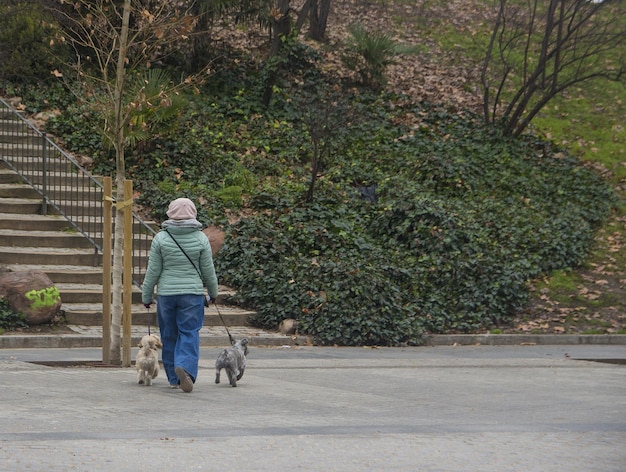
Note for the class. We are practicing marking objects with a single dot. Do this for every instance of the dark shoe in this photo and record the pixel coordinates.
(186, 384)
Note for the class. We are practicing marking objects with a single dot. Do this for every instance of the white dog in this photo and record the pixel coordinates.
(147, 362)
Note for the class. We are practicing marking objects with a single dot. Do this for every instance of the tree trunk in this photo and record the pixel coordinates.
(281, 27)
(120, 173)
(117, 287)
(316, 166)
(318, 19)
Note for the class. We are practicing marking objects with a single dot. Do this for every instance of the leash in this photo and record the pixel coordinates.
(149, 323)
(232, 341)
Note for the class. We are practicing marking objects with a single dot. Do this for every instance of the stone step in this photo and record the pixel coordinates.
(66, 238)
(79, 207)
(78, 258)
(20, 206)
(18, 190)
(63, 274)
(29, 148)
(63, 193)
(55, 179)
(73, 264)
(28, 162)
(61, 180)
(91, 315)
(32, 222)
(7, 116)
(8, 176)
(55, 222)
(91, 294)
(49, 256)
(50, 239)
(11, 137)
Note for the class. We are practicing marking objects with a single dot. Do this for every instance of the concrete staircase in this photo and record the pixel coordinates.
(31, 240)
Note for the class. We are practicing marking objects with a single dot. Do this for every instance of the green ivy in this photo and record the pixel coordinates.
(9, 319)
(460, 220)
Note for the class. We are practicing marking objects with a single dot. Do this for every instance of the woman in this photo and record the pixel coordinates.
(180, 263)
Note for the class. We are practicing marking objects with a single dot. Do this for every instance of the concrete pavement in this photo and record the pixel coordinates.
(437, 408)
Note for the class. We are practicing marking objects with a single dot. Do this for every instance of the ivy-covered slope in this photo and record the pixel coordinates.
(420, 219)
(461, 221)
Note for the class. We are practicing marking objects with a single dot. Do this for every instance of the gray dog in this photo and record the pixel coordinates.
(233, 360)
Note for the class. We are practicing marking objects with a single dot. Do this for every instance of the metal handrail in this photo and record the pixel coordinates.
(65, 185)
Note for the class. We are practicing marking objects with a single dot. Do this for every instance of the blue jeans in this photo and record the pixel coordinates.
(180, 319)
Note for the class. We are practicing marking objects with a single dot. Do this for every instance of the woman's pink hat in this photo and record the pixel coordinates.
(182, 209)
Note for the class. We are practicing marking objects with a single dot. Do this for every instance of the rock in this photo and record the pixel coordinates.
(216, 237)
(84, 161)
(46, 115)
(31, 293)
(288, 326)
(15, 102)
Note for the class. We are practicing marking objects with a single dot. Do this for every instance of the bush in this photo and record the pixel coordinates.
(464, 218)
(302, 265)
(31, 47)
(9, 319)
(370, 53)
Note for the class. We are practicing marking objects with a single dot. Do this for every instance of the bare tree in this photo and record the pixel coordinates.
(318, 18)
(284, 29)
(326, 116)
(540, 48)
(112, 39)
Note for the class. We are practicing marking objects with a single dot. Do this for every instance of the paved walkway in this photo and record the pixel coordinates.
(464, 408)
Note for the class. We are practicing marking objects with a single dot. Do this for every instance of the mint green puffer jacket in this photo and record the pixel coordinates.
(170, 270)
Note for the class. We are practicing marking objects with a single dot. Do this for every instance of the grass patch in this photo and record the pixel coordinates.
(590, 121)
(560, 285)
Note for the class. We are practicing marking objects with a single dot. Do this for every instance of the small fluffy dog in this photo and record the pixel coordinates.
(233, 361)
(147, 361)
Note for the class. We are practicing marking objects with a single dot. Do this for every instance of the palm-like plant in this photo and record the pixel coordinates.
(369, 54)
(153, 102)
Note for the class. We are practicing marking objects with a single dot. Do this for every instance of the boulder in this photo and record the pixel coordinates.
(216, 237)
(288, 326)
(31, 293)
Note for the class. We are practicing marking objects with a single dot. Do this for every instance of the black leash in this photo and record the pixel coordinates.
(186, 255)
(149, 323)
(232, 341)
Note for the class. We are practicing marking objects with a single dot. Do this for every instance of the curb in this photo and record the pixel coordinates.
(67, 341)
(524, 339)
(90, 336)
